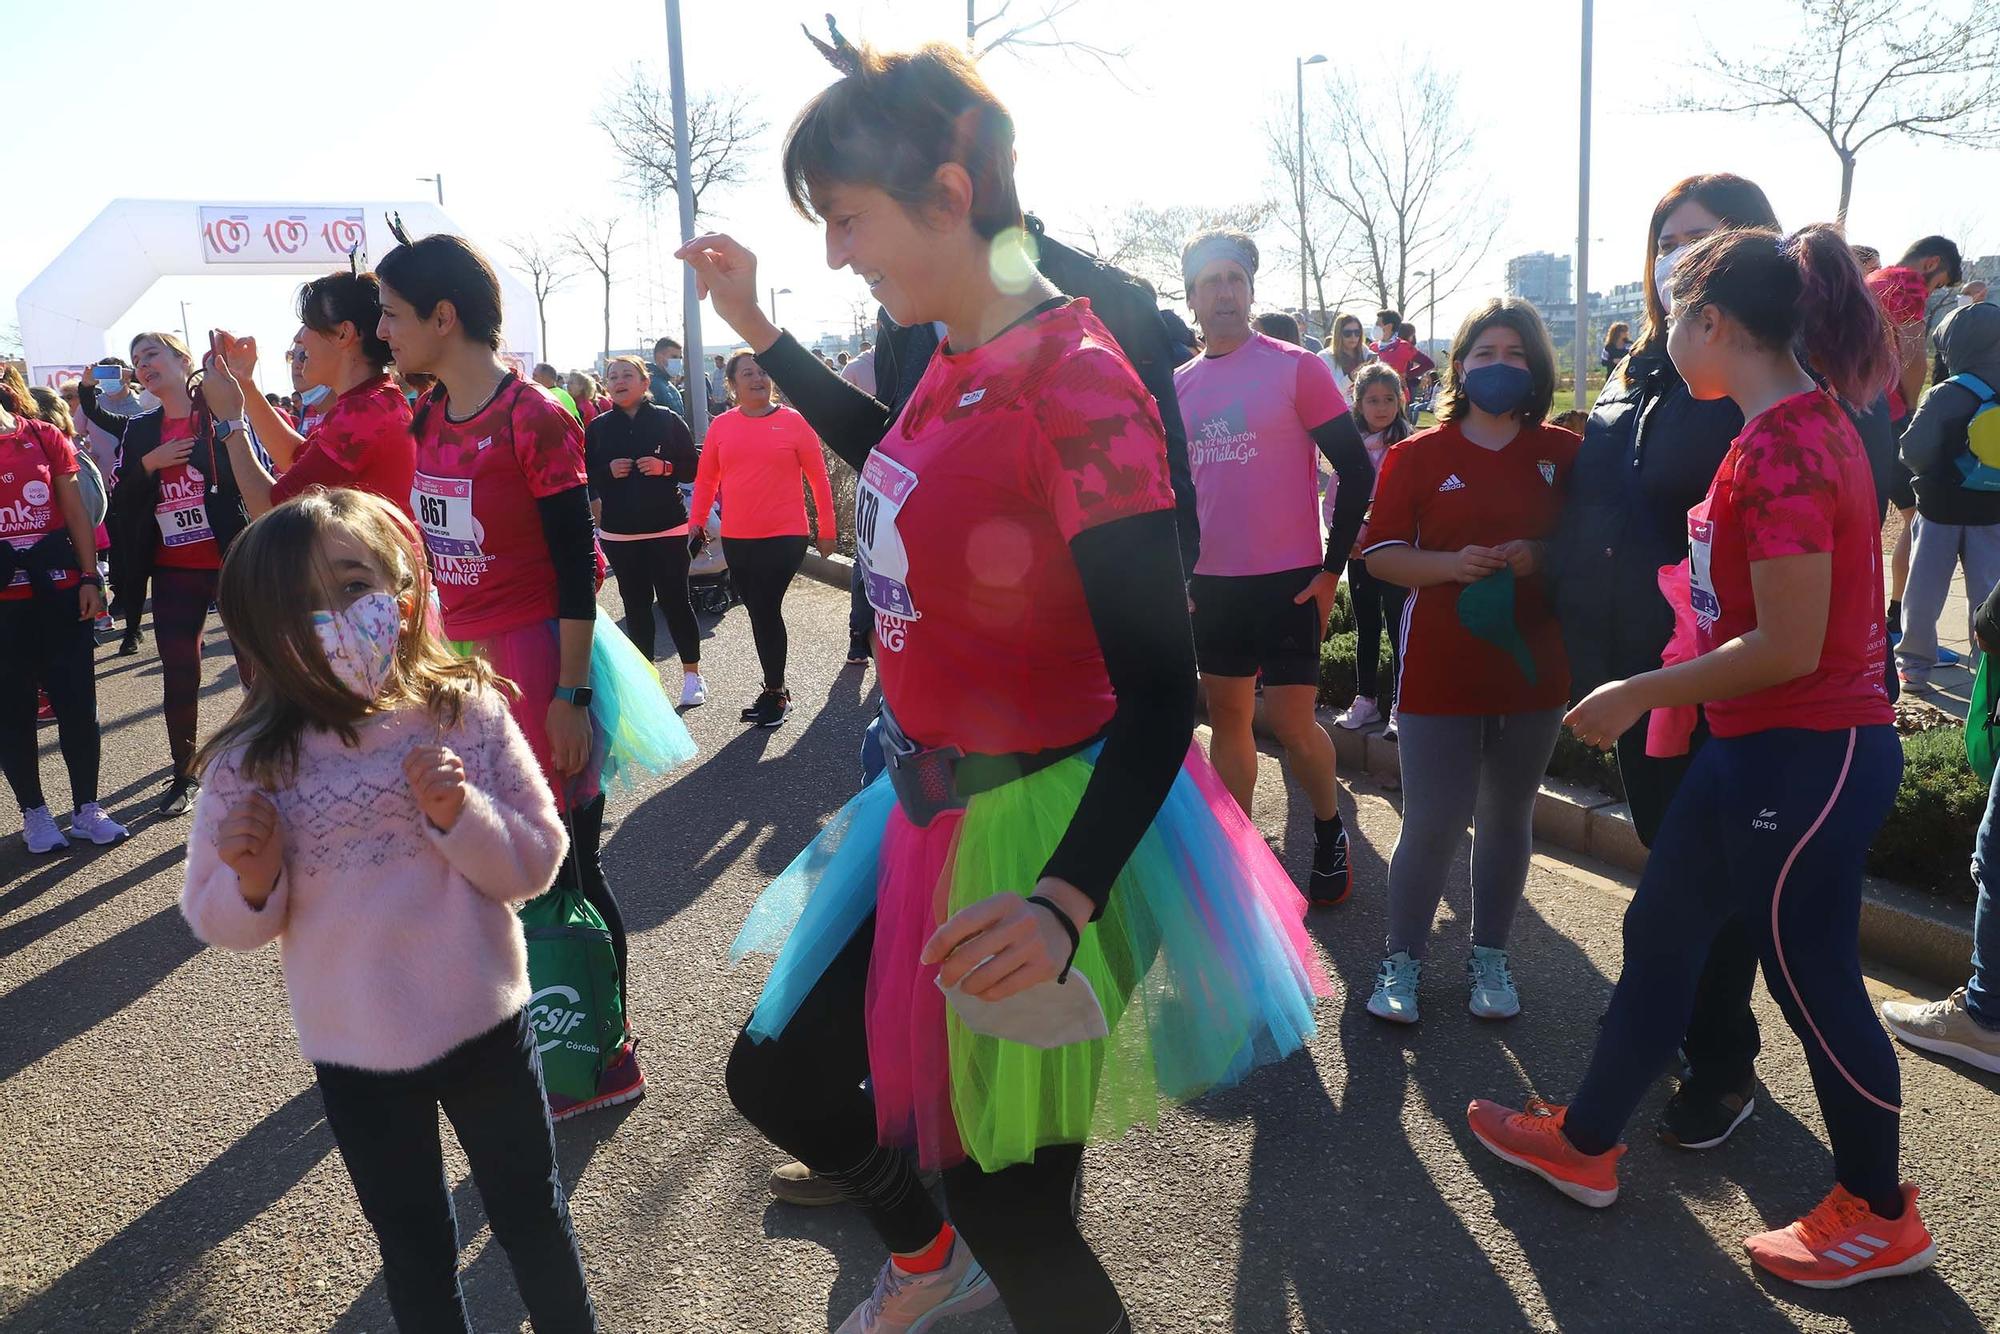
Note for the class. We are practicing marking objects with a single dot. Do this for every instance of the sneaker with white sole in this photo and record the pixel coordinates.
(1363, 712)
(1493, 994)
(1842, 1242)
(38, 827)
(1395, 997)
(1947, 1028)
(89, 821)
(694, 690)
(913, 1303)
(1395, 717)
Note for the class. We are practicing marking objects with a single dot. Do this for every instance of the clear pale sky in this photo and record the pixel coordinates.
(308, 104)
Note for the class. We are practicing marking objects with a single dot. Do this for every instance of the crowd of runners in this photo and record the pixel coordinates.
(1046, 909)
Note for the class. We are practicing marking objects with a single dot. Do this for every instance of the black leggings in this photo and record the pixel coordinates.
(656, 566)
(180, 613)
(803, 1091)
(47, 645)
(761, 569)
(1377, 606)
(583, 868)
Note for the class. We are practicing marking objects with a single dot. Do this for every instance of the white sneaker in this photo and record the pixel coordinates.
(39, 828)
(694, 690)
(1395, 996)
(1395, 716)
(1493, 994)
(89, 821)
(911, 1303)
(1363, 712)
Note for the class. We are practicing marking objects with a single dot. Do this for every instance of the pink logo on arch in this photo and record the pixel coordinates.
(287, 236)
(342, 234)
(228, 236)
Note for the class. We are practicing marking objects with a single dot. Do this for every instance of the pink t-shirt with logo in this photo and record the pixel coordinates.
(964, 516)
(1249, 415)
(1796, 482)
(32, 456)
(181, 509)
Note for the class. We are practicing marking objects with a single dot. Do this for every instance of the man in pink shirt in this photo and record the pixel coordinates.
(1259, 414)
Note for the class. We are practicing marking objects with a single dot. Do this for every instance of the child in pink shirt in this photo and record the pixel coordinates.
(373, 808)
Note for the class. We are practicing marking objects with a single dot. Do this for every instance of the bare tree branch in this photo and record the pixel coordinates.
(1146, 239)
(592, 240)
(1402, 183)
(1862, 69)
(1041, 32)
(638, 117)
(544, 262)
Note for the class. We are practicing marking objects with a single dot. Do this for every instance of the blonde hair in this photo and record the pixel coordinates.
(50, 407)
(273, 578)
(171, 342)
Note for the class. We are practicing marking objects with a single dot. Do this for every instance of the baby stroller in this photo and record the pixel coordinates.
(708, 572)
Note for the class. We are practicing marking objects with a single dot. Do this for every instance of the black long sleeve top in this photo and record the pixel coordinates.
(636, 503)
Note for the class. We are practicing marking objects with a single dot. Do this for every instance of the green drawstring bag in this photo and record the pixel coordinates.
(1982, 731)
(576, 1011)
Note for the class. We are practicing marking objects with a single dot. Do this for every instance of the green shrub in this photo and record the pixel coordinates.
(1926, 842)
(1574, 762)
(1337, 683)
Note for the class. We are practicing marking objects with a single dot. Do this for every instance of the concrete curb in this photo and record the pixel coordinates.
(835, 571)
(1902, 927)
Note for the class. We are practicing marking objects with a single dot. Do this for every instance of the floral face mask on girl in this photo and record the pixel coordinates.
(360, 641)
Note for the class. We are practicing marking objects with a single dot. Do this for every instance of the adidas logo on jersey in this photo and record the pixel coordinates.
(1450, 483)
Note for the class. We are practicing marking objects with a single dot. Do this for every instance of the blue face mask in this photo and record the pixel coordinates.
(1498, 388)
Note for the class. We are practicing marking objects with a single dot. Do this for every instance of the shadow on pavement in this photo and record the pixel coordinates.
(88, 988)
(157, 1252)
(737, 795)
(19, 935)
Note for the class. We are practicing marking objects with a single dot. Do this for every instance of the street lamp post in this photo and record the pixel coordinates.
(1299, 70)
(1583, 216)
(697, 404)
(438, 181)
(777, 292)
(184, 325)
(1431, 306)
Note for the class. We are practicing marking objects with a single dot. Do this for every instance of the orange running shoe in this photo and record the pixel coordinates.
(1843, 1242)
(1533, 1139)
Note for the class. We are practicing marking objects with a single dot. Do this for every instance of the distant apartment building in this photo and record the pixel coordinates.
(1541, 279)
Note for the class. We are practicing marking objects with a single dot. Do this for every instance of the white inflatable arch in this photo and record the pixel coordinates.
(66, 312)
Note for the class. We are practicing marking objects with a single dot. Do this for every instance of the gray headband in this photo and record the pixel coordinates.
(1211, 246)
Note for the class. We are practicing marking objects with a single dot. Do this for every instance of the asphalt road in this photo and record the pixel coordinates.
(167, 1165)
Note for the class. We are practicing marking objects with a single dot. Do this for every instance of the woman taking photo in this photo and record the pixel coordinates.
(361, 440)
(50, 599)
(756, 454)
(1043, 821)
(1347, 355)
(1460, 517)
(637, 455)
(1779, 807)
(174, 512)
(1649, 452)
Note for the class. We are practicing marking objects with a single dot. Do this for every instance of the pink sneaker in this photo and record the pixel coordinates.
(620, 1082)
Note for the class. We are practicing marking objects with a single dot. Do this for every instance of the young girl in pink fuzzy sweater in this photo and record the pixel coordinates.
(374, 809)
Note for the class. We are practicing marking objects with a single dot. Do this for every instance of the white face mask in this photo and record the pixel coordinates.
(1663, 271)
(360, 641)
(675, 365)
(312, 396)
